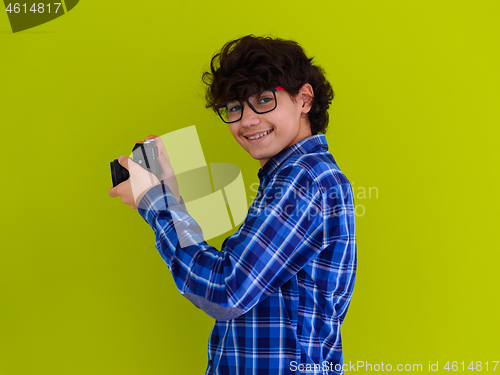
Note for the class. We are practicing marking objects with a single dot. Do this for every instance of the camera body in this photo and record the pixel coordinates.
(145, 154)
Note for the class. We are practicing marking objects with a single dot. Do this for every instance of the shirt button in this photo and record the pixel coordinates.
(210, 362)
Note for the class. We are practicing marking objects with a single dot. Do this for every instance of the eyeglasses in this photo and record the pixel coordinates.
(232, 110)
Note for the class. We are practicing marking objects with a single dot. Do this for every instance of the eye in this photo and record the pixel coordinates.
(235, 108)
(265, 97)
(265, 100)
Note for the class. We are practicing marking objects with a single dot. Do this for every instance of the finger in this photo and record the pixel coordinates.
(113, 193)
(123, 160)
(159, 141)
(161, 146)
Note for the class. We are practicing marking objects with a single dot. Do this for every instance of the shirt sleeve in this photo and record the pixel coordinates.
(279, 236)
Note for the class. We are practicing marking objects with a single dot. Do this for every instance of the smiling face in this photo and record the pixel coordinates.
(265, 135)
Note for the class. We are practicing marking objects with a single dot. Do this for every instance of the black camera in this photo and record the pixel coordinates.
(145, 154)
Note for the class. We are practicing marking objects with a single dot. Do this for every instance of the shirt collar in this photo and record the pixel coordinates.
(305, 146)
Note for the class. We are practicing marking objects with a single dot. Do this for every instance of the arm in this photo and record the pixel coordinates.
(274, 242)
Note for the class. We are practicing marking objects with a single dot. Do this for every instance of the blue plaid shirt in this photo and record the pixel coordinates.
(280, 287)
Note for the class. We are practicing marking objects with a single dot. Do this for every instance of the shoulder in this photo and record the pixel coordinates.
(319, 168)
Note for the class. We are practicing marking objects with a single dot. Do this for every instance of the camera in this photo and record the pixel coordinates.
(145, 154)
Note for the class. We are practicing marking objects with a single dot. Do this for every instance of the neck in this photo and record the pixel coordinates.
(304, 132)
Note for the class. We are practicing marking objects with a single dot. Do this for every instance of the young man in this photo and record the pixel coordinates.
(280, 287)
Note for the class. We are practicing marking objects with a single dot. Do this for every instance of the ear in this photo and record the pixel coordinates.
(306, 94)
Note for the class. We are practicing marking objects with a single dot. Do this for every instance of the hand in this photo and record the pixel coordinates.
(167, 172)
(132, 190)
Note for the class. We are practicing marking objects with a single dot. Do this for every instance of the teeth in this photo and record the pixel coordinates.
(259, 135)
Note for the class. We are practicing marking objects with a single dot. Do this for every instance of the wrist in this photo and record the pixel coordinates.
(141, 195)
(167, 172)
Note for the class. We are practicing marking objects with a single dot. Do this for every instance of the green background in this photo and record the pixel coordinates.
(82, 287)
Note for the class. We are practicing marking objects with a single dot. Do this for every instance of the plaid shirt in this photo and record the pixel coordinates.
(280, 286)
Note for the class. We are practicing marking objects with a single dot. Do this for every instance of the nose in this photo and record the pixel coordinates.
(249, 117)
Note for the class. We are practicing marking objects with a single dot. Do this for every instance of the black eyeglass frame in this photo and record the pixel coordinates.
(223, 104)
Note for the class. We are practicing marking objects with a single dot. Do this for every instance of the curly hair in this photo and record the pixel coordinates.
(252, 64)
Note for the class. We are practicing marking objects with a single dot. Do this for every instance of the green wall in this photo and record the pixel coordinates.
(415, 118)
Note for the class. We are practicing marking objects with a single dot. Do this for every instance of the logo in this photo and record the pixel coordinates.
(214, 194)
(28, 14)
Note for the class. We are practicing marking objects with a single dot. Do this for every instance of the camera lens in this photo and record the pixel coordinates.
(118, 173)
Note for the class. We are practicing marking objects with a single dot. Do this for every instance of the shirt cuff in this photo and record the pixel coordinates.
(158, 198)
